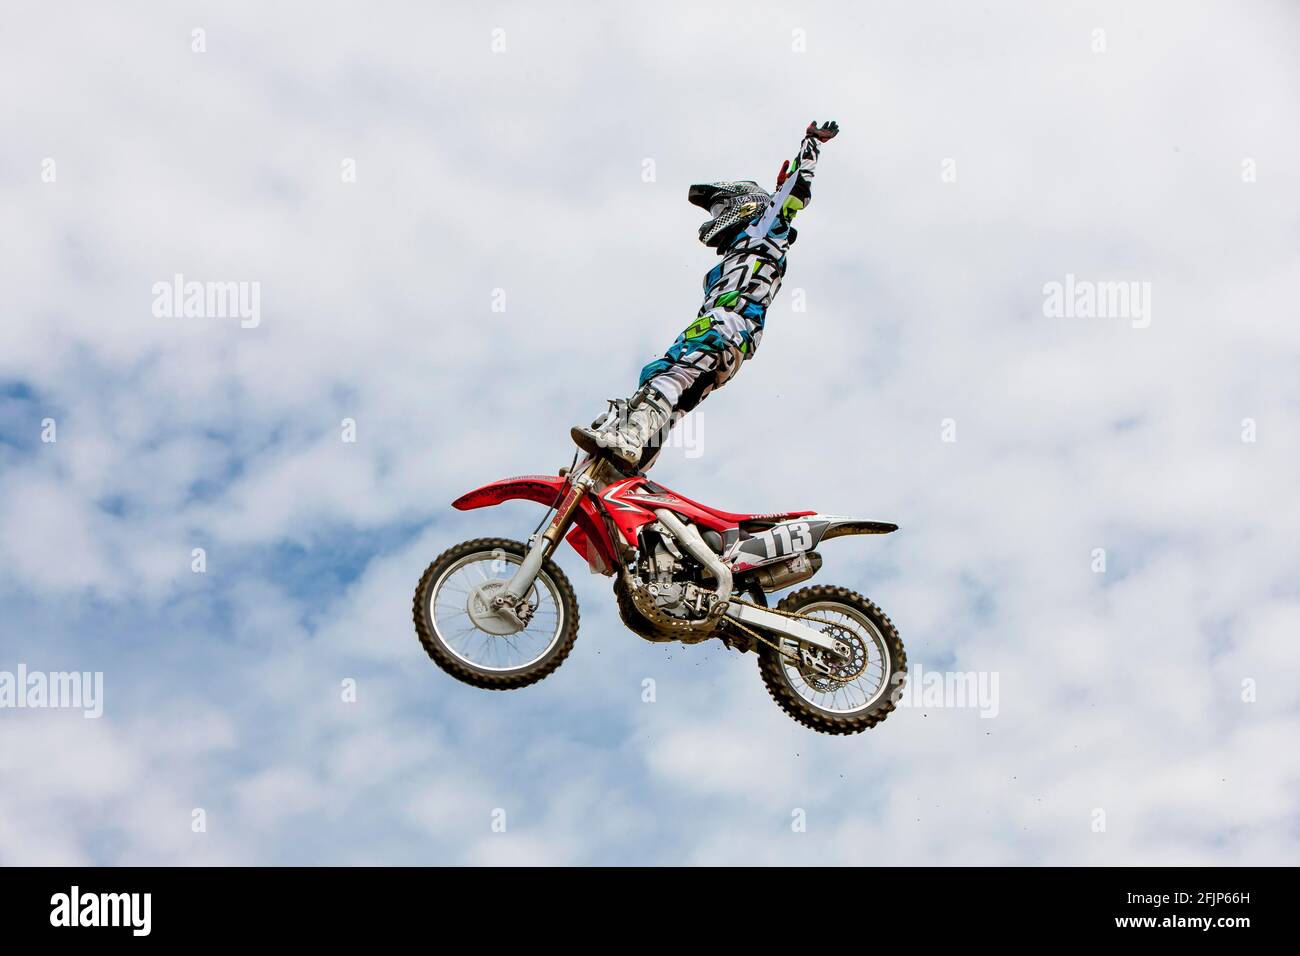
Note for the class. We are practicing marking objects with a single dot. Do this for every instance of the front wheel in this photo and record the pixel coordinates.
(857, 694)
(459, 631)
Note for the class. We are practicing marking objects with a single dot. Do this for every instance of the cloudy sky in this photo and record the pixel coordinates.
(538, 155)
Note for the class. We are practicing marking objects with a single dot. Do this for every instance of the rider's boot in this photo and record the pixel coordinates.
(648, 412)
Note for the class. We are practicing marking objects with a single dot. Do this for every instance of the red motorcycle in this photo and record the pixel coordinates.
(500, 614)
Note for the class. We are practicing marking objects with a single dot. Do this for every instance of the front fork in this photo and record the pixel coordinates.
(509, 600)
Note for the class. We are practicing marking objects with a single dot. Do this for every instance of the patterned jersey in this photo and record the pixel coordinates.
(737, 291)
(752, 267)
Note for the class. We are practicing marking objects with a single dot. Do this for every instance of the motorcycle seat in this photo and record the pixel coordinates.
(771, 517)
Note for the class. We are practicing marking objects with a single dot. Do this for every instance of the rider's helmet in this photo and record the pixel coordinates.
(733, 205)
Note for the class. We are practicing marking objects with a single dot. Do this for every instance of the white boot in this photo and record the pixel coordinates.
(626, 441)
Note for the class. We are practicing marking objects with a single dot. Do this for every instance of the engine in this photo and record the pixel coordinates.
(673, 579)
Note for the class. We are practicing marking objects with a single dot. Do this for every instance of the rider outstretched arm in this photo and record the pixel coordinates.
(794, 182)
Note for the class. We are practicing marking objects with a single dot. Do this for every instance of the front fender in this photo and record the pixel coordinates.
(544, 489)
(590, 539)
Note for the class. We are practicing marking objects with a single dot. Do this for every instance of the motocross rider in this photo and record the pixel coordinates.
(751, 230)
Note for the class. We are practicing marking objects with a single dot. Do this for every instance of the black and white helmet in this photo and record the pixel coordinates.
(731, 204)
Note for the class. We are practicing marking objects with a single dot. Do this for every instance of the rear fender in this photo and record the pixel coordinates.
(786, 539)
(839, 527)
(589, 538)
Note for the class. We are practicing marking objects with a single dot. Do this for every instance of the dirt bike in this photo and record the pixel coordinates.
(500, 614)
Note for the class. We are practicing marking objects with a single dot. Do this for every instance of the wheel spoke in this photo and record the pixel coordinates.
(869, 662)
(457, 597)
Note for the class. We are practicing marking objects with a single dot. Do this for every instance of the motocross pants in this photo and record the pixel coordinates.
(703, 358)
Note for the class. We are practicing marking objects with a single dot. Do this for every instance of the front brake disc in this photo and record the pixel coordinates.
(485, 616)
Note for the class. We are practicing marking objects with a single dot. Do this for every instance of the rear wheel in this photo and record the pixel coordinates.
(858, 693)
(459, 631)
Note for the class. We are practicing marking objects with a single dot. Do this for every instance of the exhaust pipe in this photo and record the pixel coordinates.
(690, 539)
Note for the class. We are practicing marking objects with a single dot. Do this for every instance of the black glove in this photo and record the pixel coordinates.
(826, 133)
